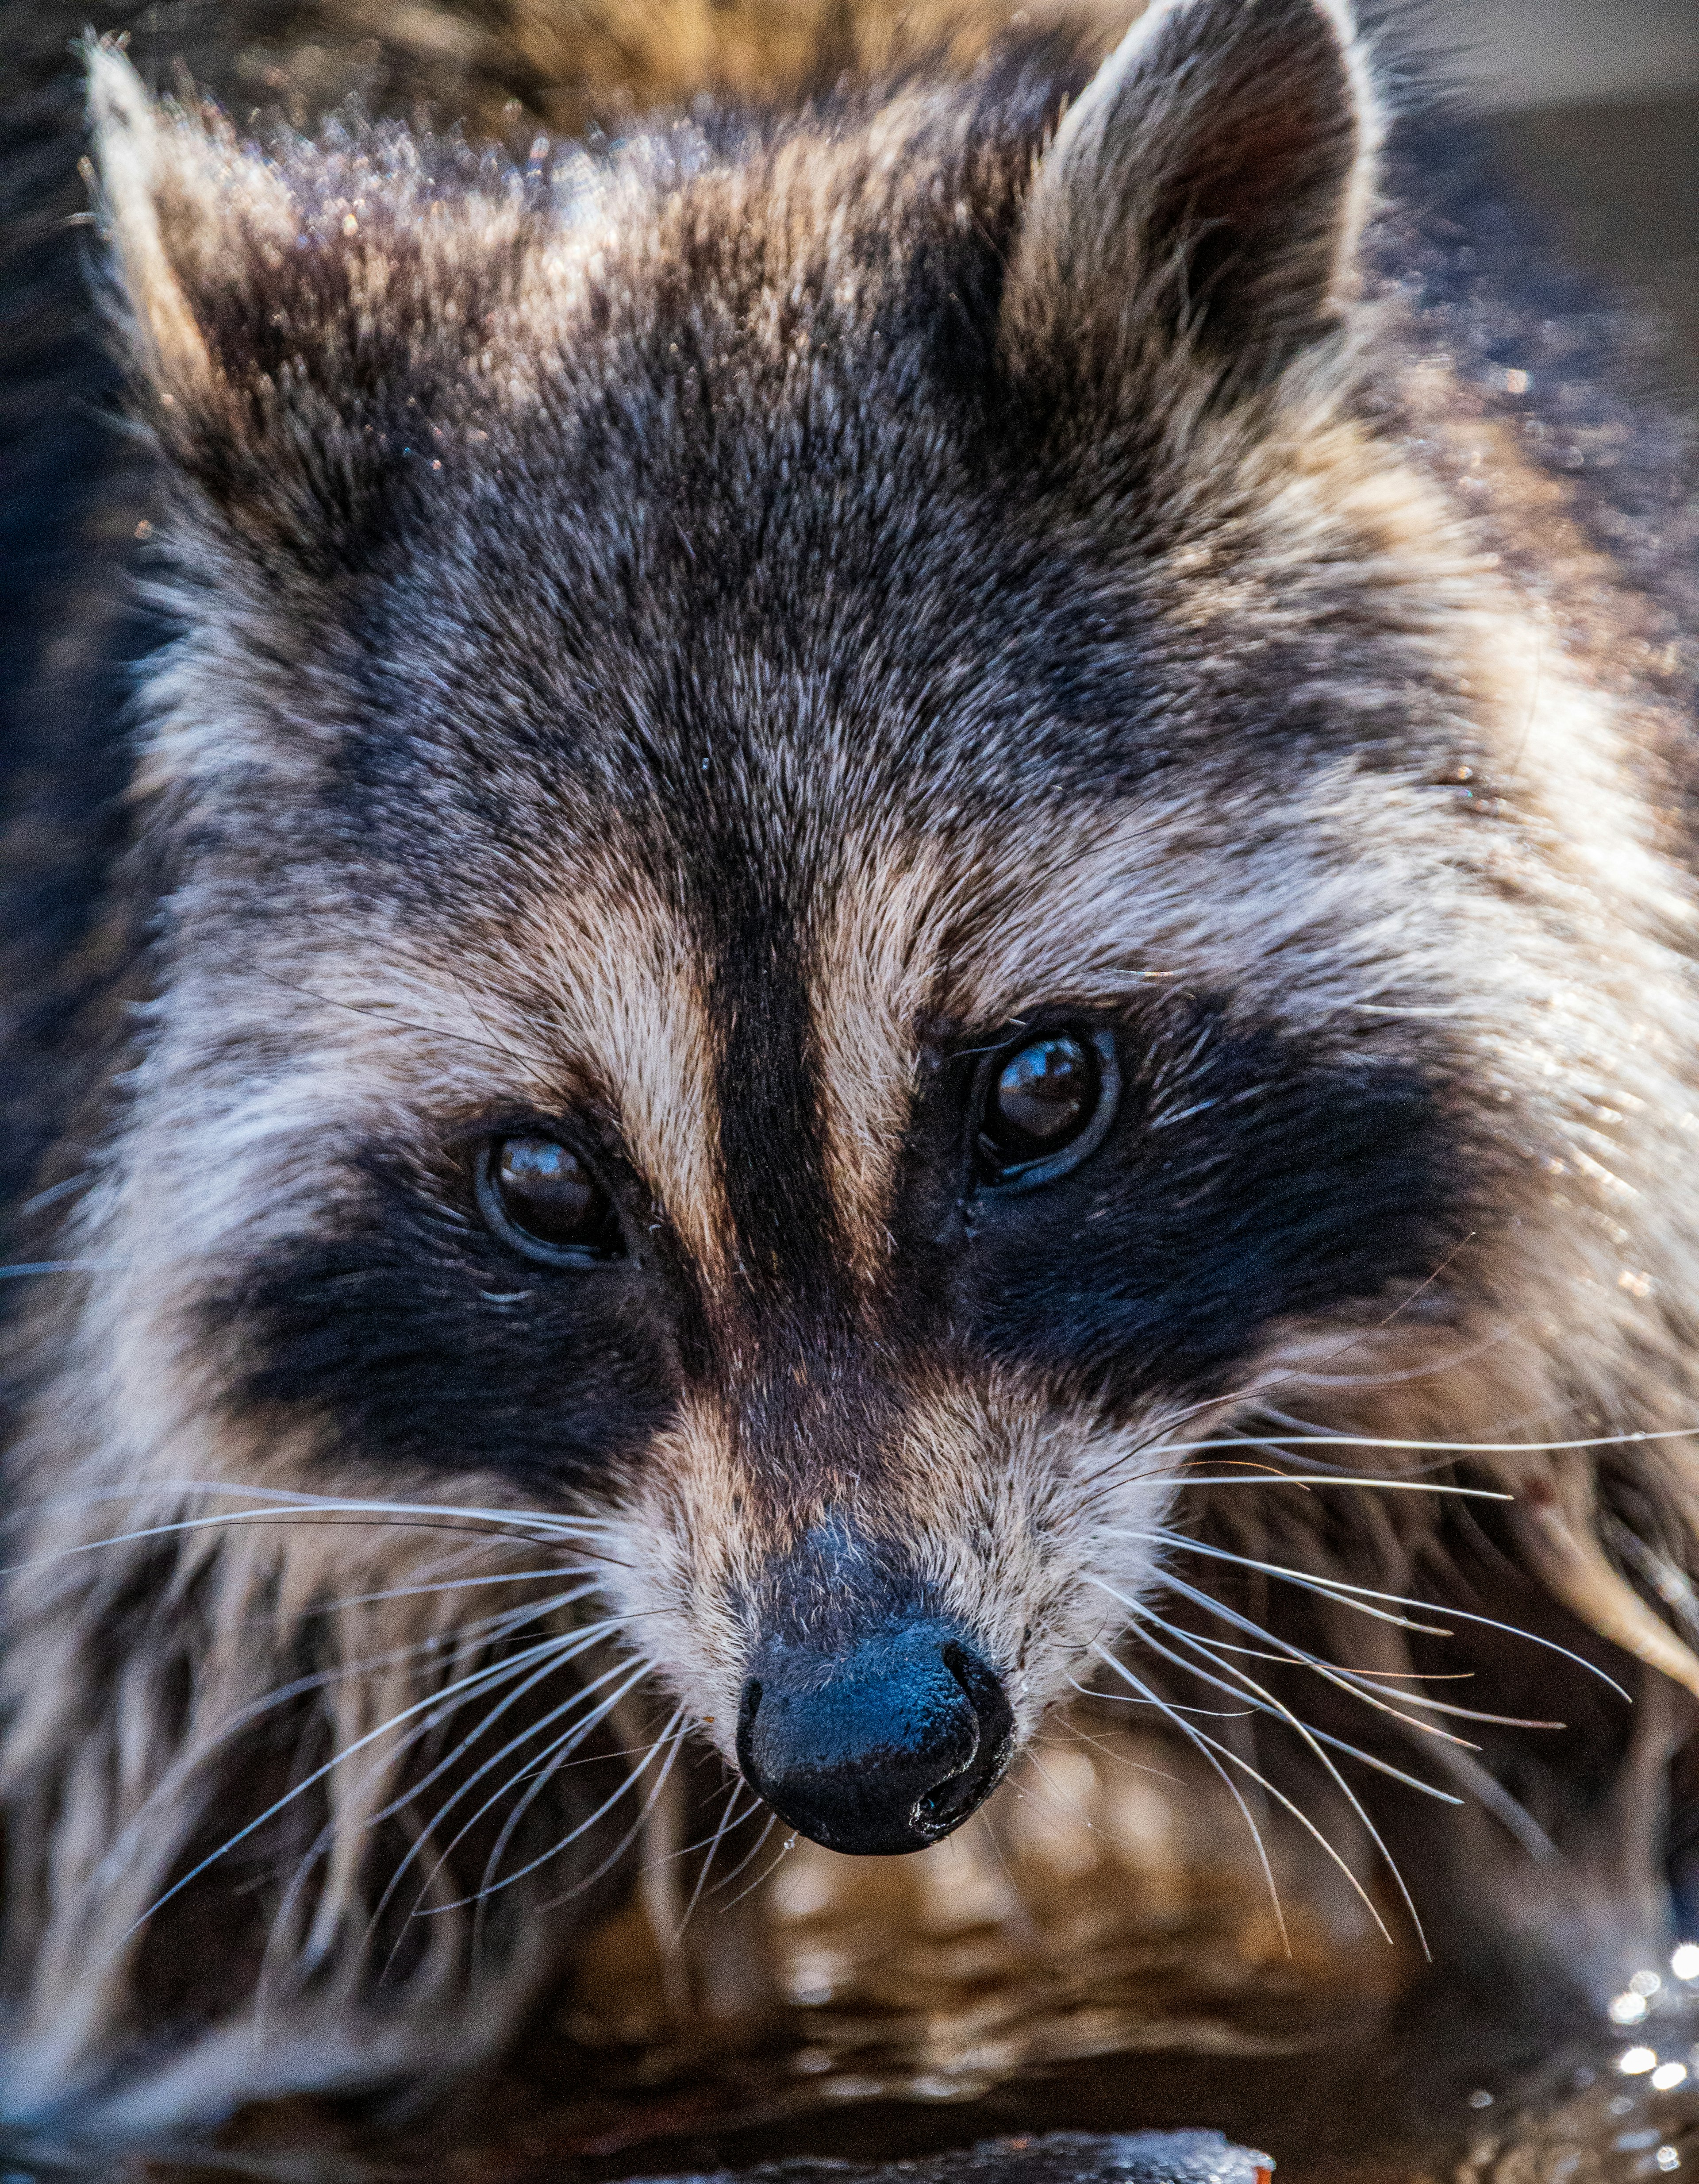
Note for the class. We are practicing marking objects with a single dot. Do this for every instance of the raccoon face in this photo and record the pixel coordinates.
(793, 780)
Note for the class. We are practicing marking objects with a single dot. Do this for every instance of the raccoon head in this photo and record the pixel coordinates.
(821, 908)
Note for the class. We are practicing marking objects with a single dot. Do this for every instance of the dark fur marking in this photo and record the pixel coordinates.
(385, 1327)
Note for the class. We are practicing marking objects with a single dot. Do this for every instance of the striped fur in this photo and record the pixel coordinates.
(689, 642)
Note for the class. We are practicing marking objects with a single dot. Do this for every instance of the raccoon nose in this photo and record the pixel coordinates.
(885, 1748)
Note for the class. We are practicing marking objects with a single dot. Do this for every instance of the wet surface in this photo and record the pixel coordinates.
(1099, 1951)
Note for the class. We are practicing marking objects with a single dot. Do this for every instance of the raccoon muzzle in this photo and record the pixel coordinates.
(881, 1749)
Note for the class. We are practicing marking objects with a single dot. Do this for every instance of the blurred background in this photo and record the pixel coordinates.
(1593, 106)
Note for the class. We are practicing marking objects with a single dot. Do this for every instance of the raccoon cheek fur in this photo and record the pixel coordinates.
(858, 831)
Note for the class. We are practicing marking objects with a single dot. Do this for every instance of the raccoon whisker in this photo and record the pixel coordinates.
(1313, 1738)
(1378, 1676)
(499, 1623)
(1208, 1749)
(1371, 1681)
(1163, 1430)
(431, 1700)
(1347, 1594)
(747, 1858)
(673, 1742)
(542, 1769)
(1138, 1766)
(1455, 1448)
(1303, 1580)
(1115, 1478)
(1346, 1478)
(1066, 1804)
(1207, 1713)
(196, 1756)
(188, 1525)
(478, 1016)
(555, 1654)
(289, 1501)
(1309, 1737)
(667, 1739)
(24, 1269)
(761, 1879)
(1299, 1655)
(1666, 1580)
(55, 1191)
(703, 1843)
(719, 1836)
(558, 1654)
(1264, 1702)
(464, 1585)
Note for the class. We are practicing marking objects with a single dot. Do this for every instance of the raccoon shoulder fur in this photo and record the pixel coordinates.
(865, 828)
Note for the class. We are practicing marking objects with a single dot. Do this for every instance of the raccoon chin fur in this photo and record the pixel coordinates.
(874, 824)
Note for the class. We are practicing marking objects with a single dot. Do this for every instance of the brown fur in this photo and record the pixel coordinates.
(1399, 807)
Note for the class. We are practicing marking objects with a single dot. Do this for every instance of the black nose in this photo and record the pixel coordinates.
(885, 1747)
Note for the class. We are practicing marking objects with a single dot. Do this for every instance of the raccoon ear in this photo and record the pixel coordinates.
(192, 221)
(298, 326)
(1207, 189)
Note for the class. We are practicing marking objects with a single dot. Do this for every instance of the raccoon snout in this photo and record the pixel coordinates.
(881, 1749)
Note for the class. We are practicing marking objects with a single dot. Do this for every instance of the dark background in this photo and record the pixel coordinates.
(1594, 106)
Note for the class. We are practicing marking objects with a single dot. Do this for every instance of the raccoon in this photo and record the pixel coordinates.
(914, 928)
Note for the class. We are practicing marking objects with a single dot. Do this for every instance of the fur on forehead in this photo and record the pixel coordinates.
(307, 323)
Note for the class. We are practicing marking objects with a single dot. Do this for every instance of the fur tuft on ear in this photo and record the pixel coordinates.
(1207, 188)
(304, 327)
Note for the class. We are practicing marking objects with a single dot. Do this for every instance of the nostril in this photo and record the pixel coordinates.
(748, 1709)
(983, 1689)
(964, 1668)
(951, 1801)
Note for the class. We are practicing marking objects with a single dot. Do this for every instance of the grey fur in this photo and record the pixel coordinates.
(687, 637)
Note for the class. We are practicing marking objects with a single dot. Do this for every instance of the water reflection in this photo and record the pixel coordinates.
(1099, 1950)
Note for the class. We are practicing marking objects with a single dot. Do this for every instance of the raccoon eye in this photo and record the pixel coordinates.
(541, 1197)
(1045, 1105)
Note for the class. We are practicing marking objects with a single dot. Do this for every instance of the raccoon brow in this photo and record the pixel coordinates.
(379, 1013)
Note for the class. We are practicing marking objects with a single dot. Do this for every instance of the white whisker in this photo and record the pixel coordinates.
(1313, 1581)
(1314, 1739)
(1208, 1748)
(748, 1858)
